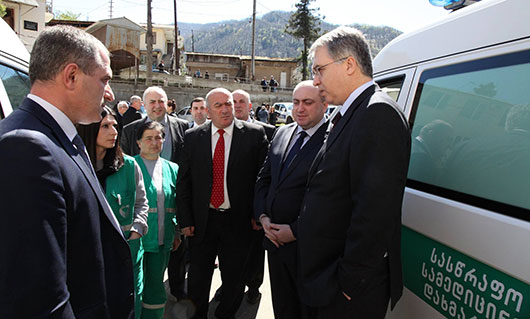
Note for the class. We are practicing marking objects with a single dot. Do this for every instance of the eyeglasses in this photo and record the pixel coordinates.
(317, 70)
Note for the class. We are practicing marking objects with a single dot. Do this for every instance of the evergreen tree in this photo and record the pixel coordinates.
(304, 24)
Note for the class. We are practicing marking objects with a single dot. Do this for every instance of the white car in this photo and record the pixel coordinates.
(285, 109)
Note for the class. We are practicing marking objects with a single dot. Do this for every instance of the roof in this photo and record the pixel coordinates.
(479, 25)
(122, 22)
(244, 57)
(32, 3)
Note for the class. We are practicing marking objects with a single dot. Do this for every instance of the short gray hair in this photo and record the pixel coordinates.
(135, 98)
(154, 89)
(58, 46)
(343, 42)
(243, 92)
(216, 90)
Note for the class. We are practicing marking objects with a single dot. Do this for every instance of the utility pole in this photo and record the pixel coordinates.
(110, 10)
(149, 38)
(253, 64)
(192, 42)
(176, 51)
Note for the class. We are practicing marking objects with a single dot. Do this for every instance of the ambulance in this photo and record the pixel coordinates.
(463, 82)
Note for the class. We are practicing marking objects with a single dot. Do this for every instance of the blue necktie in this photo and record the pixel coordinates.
(78, 142)
(294, 150)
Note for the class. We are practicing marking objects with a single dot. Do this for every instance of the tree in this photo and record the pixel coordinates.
(67, 15)
(304, 24)
(2, 9)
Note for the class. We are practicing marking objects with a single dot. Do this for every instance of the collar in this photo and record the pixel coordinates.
(311, 131)
(163, 122)
(64, 122)
(228, 130)
(355, 94)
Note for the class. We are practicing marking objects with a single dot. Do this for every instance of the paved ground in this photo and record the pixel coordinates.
(261, 310)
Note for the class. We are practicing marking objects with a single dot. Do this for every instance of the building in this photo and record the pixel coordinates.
(27, 18)
(163, 44)
(228, 67)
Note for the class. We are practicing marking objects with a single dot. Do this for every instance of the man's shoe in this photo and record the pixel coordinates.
(253, 296)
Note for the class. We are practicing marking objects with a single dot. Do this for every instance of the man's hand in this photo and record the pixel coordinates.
(188, 231)
(266, 223)
(134, 235)
(283, 233)
(254, 225)
(176, 242)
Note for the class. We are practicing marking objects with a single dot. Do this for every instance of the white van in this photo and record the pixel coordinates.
(464, 84)
(14, 63)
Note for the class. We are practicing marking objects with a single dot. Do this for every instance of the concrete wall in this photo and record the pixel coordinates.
(184, 95)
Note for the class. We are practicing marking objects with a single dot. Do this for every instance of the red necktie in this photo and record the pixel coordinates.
(218, 170)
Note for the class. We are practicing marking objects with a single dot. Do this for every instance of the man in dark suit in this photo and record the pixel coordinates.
(349, 231)
(155, 99)
(256, 258)
(198, 111)
(64, 255)
(279, 193)
(133, 113)
(215, 194)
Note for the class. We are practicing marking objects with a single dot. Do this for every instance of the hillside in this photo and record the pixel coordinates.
(235, 37)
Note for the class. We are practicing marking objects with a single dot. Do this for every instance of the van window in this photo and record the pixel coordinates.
(471, 133)
(16, 84)
(392, 86)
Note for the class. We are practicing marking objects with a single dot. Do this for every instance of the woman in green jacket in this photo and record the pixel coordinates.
(122, 181)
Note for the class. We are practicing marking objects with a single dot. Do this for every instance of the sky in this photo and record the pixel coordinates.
(404, 15)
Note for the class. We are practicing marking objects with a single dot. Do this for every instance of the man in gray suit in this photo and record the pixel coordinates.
(155, 99)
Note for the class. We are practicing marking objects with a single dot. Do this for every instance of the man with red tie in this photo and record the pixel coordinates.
(215, 195)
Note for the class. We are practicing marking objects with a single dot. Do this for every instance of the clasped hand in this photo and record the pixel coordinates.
(278, 234)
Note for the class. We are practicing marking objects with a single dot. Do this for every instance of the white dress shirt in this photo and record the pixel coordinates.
(227, 135)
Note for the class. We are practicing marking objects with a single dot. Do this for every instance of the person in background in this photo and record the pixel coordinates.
(134, 112)
(264, 84)
(199, 113)
(206, 75)
(160, 176)
(273, 84)
(122, 107)
(123, 184)
(171, 107)
(273, 116)
(263, 114)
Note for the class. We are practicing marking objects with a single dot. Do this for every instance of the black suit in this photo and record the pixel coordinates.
(64, 255)
(223, 234)
(177, 126)
(130, 116)
(349, 233)
(280, 197)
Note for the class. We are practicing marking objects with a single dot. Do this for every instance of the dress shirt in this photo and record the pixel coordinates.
(64, 122)
(355, 94)
(309, 131)
(228, 133)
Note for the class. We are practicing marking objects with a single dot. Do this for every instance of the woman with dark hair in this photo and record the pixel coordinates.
(122, 181)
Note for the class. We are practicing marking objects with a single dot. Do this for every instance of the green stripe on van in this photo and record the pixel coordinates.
(459, 286)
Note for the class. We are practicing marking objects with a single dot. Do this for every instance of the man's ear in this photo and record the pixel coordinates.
(351, 65)
(70, 75)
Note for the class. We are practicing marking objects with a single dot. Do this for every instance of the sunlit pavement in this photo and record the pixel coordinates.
(261, 310)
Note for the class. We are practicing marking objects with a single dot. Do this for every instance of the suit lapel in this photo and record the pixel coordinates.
(235, 145)
(61, 137)
(284, 145)
(337, 129)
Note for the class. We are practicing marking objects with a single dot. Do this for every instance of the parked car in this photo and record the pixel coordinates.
(185, 114)
(285, 109)
(14, 63)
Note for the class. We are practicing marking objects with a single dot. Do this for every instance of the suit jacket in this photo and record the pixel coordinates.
(194, 186)
(64, 255)
(349, 234)
(280, 197)
(269, 129)
(177, 126)
(130, 116)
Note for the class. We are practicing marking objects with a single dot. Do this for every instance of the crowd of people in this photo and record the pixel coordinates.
(100, 202)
